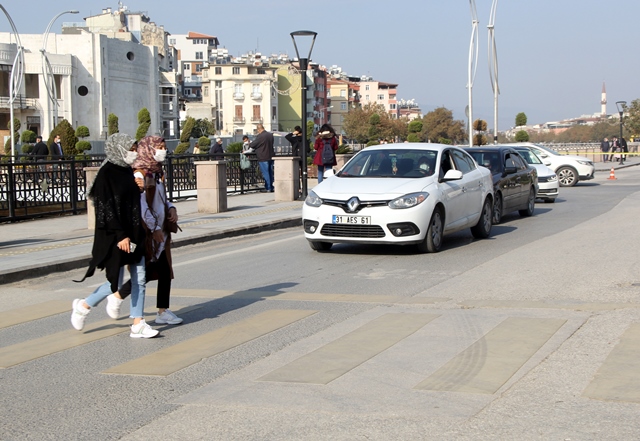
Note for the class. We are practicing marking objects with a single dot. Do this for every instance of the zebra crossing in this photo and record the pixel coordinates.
(485, 350)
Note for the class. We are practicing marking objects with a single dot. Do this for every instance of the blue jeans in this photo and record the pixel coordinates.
(138, 289)
(266, 168)
(321, 169)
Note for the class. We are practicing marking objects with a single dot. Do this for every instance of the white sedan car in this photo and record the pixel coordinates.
(548, 186)
(400, 194)
(569, 168)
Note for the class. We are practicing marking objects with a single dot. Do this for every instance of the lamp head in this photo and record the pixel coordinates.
(300, 35)
(621, 105)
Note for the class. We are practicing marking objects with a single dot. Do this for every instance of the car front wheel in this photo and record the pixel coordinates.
(483, 228)
(320, 246)
(531, 204)
(433, 240)
(567, 176)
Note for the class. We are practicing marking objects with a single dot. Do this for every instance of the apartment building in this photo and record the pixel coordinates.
(377, 92)
(239, 94)
(344, 96)
(317, 101)
(194, 52)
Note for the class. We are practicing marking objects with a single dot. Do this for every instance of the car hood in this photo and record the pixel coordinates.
(370, 188)
(542, 170)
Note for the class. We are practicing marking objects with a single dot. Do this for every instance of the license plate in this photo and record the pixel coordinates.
(355, 220)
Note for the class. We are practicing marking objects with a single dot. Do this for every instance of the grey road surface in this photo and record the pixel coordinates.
(531, 334)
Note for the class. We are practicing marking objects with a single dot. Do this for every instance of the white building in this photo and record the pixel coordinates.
(377, 92)
(194, 51)
(239, 93)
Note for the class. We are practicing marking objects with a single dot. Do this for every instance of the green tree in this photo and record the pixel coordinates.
(413, 137)
(112, 124)
(522, 136)
(28, 137)
(415, 126)
(82, 146)
(144, 122)
(309, 130)
(185, 135)
(521, 119)
(203, 127)
(480, 125)
(82, 132)
(631, 120)
(479, 139)
(374, 131)
(16, 135)
(68, 138)
(234, 147)
(439, 124)
(205, 144)
(356, 123)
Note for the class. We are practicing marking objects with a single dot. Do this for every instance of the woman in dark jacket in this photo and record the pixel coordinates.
(119, 235)
(326, 136)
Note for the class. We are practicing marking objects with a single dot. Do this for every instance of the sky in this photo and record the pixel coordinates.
(553, 55)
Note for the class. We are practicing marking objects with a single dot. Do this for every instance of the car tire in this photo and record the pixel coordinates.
(567, 176)
(482, 229)
(531, 204)
(320, 246)
(433, 239)
(497, 209)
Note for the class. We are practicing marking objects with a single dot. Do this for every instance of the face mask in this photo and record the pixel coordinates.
(424, 167)
(131, 157)
(160, 155)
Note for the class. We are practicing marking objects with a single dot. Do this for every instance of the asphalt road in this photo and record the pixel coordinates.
(530, 334)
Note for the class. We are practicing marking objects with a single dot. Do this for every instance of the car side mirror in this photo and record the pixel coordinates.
(510, 170)
(546, 162)
(452, 175)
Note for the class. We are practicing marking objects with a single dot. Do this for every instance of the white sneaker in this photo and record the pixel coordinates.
(143, 330)
(168, 318)
(113, 306)
(79, 314)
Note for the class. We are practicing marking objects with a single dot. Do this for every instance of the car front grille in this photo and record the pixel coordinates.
(361, 231)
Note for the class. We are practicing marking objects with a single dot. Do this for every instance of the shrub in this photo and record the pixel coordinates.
(112, 124)
(204, 141)
(372, 142)
(234, 147)
(182, 148)
(344, 149)
(522, 136)
(26, 148)
(28, 136)
(82, 146)
(187, 128)
(68, 137)
(82, 132)
(144, 122)
(445, 141)
(413, 137)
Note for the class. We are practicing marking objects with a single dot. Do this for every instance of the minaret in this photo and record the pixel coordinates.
(603, 101)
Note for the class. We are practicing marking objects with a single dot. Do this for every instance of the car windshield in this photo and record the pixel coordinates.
(529, 156)
(391, 163)
(490, 160)
(547, 149)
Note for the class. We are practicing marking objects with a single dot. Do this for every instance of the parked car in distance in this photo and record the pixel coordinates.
(569, 168)
(515, 184)
(400, 194)
(548, 186)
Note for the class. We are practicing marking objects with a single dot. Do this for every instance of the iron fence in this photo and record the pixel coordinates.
(31, 189)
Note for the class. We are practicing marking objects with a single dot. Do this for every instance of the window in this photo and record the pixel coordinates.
(218, 71)
(343, 106)
(343, 93)
(205, 91)
(366, 87)
(256, 112)
(255, 88)
(392, 106)
(463, 161)
(236, 71)
(205, 73)
(381, 97)
(198, 55)
(237, 88)
(172, 41)
(274, 113)
(199, 67)
(261, 71)
(187, 66)
(366, 97)
(218, 84)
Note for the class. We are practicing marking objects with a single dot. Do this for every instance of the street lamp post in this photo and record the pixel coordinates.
(472, 66)
(47, 71)
(621, 105)
(15, 82)
(493, 68)
(304, 63)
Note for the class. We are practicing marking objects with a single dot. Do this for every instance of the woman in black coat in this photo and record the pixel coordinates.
(118, 232)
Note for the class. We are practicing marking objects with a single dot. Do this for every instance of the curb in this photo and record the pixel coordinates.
(33, 271)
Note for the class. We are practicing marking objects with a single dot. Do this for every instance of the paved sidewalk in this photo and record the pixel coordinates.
(39, 247)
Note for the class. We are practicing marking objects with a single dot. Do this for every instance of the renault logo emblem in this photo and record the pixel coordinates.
(353, 204)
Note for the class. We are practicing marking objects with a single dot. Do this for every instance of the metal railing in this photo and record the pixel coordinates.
(31, 189)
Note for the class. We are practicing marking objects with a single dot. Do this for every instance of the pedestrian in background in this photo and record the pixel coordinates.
(624, 148)
(246, 145)
(40, 152)
(295, 139)
(55, 149)
(119, 235)
(263, 146)
(604, 147)
(156, 209)
(615, 149)
(217, 152)
(325, 146)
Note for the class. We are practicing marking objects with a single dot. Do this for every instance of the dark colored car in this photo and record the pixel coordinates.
(515, 183)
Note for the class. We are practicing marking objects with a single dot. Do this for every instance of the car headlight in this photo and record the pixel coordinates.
(552, 178)
(585, 162)
(313, 200)
(409, 200)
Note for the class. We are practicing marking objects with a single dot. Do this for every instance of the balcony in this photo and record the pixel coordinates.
(238, 119)
(238, 96)
(256, 95)
(256, 119)
(20, 102)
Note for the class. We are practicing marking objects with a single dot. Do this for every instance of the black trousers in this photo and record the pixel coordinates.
(163, 271)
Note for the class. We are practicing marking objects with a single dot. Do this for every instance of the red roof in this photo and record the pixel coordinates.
(197, 35)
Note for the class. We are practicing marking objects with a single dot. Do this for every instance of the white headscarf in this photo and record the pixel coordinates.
(117, 147)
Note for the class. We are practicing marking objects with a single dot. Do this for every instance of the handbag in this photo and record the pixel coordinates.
(245, 163)
(169, 226)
